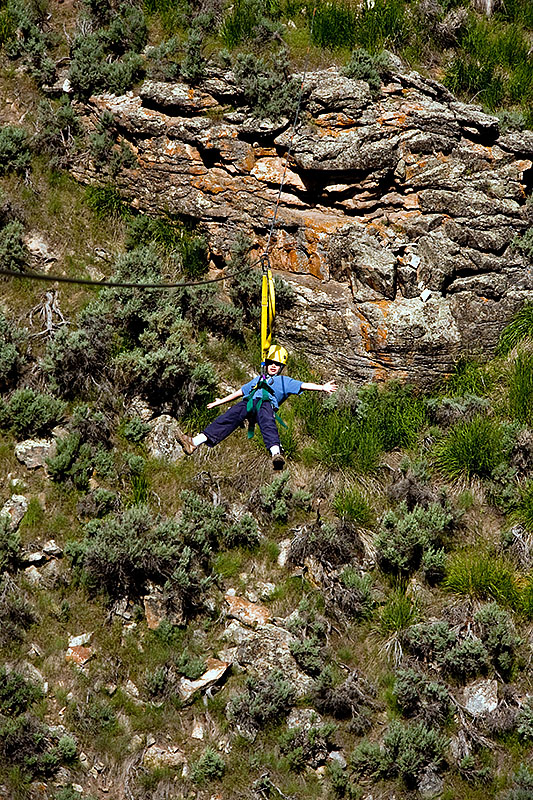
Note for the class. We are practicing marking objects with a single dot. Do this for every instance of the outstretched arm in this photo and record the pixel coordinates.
(221, 400)
(328, 387)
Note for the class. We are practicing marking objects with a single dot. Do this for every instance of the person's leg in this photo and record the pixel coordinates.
(225, 424)
(269, 431)
(216, 431)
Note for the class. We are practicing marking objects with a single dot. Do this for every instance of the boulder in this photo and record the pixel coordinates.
(14, 509)
(395, 223)
(162, 441)
(34, 452)
(481, 697)
(214, 673)
(247, 612)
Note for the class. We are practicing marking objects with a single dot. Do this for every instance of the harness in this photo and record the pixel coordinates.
(266, 394)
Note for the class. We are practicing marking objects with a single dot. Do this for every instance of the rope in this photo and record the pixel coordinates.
(294, 124)
(38, 276)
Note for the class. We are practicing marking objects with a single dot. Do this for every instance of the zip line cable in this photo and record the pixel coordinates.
(43, 276)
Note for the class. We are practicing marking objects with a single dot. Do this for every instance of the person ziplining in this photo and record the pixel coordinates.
(263, 395)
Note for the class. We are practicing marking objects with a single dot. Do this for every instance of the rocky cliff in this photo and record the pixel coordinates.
(397, 215)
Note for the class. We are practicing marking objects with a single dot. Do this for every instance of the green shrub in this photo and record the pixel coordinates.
(334, 25)
(434, 565)
(525, 720)
(14, 149)
(407, 751)
(14, 254)
(268, 88)
(523, 785)
(521, 389)
(16, 694)
(67, 748)
(77, 361)
(466, 659)
(363, 66)
(190, 665)
(277, 498)
(498, 634)
(10, 550)
(482, 576)
(473, 448)
(24, 742)
(304, 747)
(264, 701)
(430, 640)
(58, 126)
(135, 430)
(331, 545)
(520, 328)
(356, 598)
(417, 696)
(405, 535)
(16, 614)
(308, 654)
(209, 767)
(93, 717)
(30, 413)
(11, 359)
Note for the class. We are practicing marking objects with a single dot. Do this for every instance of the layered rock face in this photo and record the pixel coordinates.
(395, 222)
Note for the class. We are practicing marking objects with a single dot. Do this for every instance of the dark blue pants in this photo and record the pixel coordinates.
(222, 426)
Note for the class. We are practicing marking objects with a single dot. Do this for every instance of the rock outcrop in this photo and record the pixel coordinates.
(397, 214)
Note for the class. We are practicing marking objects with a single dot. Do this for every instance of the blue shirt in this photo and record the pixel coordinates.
(281, 385)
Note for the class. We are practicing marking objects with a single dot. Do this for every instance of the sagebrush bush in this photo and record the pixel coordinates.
(14, 149)
(264, 701)
(418, 696)
(278, 498)
(499, 636)
(268, 88)
(522, 785)
(406, 751)
(14, 254)
(353, 699)
(25, 743)
(405, 535)
(308, 654)
(209, 767)
(17, 695)
(10, 548)
(525, 720)
(304, 748)
(363, 66)
(30, 413)
(332, 545)
(466, 659)
(16, 614)
(58, 127)
(11, 357)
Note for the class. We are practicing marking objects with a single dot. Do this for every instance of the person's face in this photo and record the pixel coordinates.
(273, 368)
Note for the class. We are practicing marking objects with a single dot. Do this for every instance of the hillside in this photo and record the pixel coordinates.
(360, 625)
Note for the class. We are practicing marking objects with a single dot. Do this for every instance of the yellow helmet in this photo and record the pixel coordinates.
(277, 354)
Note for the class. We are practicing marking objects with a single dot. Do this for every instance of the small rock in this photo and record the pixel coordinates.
(131, 689)
(15, 481)
(34, 452)
(247, 612)
(33, 575)
(425, 295)
(338, 758)
(284, 549)
(197, 730)
(215, 671)
(51, 573)
(136, 743)
(481, 696)
(15, 508)
(431, 784)
(162, 441)
(77, 788)
(35, 558)
(52, 549)
(35, 651)
(156, 610)
(84, 761)
(79, 655)
(83, 638)
(304, 718)
(156, 757)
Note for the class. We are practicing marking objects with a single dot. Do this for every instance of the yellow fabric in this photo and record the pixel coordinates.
(268, 312)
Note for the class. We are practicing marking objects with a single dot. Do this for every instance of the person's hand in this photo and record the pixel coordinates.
(214, 403)
(330, 387)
